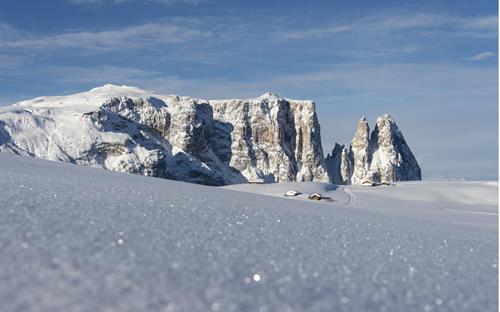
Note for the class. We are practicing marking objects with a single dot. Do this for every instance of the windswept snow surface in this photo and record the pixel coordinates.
(82, 239)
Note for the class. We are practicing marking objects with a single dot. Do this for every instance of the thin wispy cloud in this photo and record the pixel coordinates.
(480, 56)
(424, 23)
(97, 3)
(480, 23)
(7, 32)
(392, 31)
(140, 36)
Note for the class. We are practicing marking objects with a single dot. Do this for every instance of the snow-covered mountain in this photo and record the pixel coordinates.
(214, 142)
(121, 128)
(382, 157)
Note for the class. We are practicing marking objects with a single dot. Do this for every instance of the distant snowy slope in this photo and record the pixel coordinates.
(79, 239)
(473, 203)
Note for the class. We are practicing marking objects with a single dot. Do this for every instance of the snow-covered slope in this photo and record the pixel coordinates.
(79, 239)
(473, 203)
(126, 129)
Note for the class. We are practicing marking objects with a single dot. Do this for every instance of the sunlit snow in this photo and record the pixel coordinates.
(82, 239)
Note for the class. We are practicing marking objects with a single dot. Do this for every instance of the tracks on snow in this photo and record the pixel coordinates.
(351, 197)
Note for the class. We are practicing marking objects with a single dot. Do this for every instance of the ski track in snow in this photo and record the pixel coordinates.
(83, 239)
(474, 212)
(351, 196)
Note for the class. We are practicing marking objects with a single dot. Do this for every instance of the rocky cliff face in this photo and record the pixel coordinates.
(272, 139)
(392, 159)
(269, 138)
(339, 165)
(382, 157)
(359, 153)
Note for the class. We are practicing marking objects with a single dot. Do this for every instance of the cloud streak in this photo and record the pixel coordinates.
(219, 41)
(97, 3)
(176, 31)
(423, 23)
(139, 36)
(480, 56)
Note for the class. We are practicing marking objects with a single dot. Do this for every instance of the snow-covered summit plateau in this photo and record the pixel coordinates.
(214, 142)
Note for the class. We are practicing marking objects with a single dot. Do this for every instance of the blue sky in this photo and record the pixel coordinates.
(431, 64)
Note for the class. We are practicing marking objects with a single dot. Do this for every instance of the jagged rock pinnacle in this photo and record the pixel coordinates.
(382, 157)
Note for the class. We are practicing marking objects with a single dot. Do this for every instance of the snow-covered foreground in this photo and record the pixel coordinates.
(81, 239)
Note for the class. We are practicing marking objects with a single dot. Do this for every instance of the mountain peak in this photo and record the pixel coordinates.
(109, 87)
(270, 95)
(385, 116)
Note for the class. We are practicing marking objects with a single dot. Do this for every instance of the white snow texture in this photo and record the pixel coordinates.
(81, 239)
